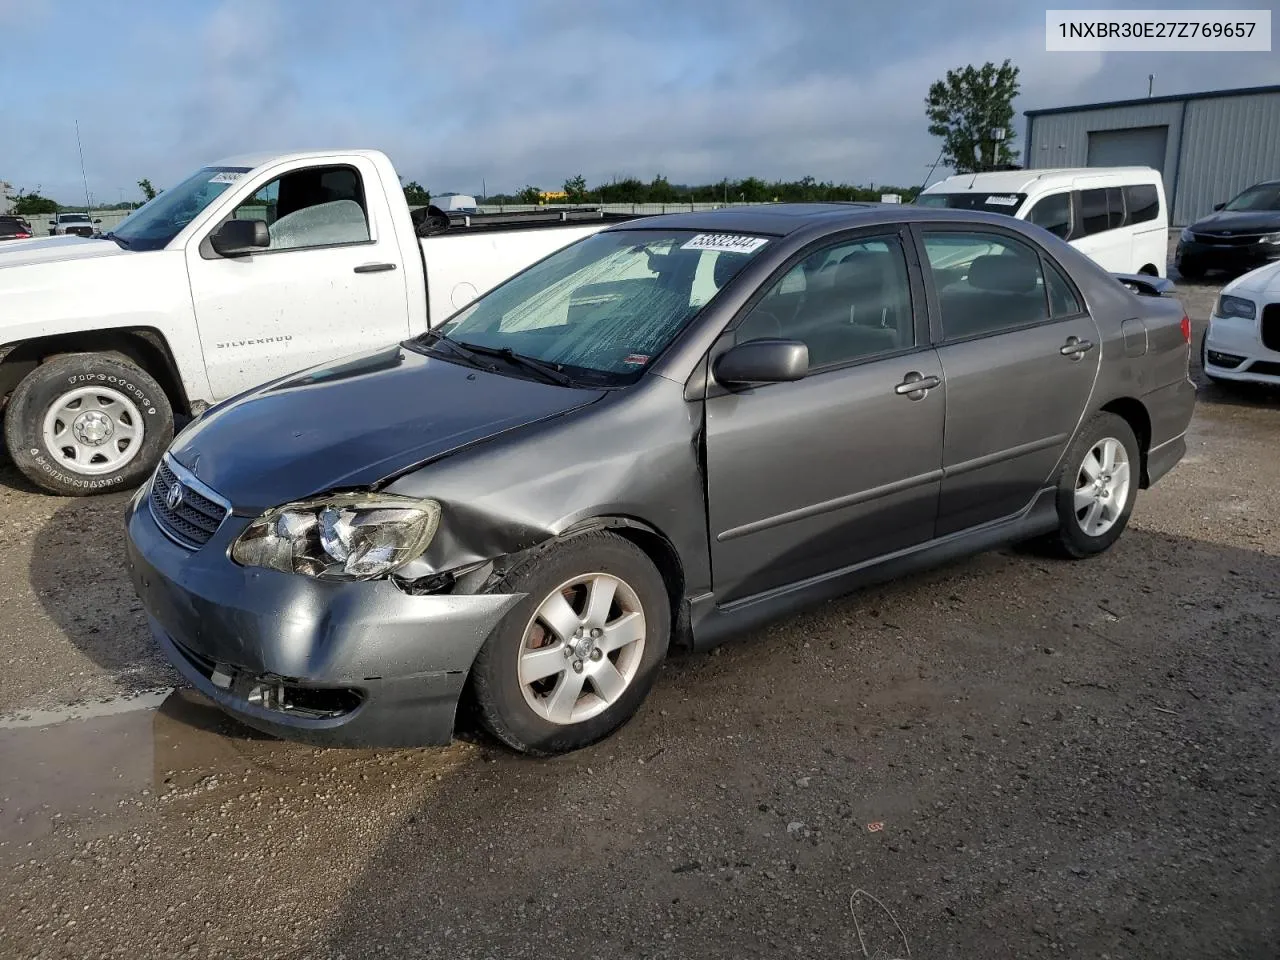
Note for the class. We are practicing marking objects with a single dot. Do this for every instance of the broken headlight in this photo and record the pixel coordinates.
(348, 536)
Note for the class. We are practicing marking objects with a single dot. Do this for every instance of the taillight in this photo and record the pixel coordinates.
(1186, 328)
(23, 236)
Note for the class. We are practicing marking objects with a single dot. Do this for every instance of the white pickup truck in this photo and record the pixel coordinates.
(247, 270)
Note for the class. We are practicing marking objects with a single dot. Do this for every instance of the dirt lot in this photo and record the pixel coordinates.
(1066, 760)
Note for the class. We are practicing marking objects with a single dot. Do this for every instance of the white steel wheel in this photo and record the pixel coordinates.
(1102, 487)
(93, 430)
(582, 648)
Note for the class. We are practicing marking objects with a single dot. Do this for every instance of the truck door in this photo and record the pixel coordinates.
(330, 284)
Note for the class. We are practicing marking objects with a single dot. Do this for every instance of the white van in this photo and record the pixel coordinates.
(1117, 215)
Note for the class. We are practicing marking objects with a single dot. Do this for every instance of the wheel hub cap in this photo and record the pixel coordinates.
(582, 648)
(93, 428)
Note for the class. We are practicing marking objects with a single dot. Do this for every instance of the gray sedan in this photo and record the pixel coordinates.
(667, 433)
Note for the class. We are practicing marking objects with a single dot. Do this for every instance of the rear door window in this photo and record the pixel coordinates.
(1053, 213)
(987, 283)
(1142, 201)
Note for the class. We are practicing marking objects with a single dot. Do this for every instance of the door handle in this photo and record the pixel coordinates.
(914, 385)
(1075, 348)
(375, 267)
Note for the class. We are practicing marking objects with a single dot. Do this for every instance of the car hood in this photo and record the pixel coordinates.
(49, 249)
(1262, 283)
(1246, 221)
(351, 424)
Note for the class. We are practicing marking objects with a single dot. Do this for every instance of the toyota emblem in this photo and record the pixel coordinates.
(173, 499)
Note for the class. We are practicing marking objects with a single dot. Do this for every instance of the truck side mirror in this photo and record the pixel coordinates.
(235, 238)
(1218, 206)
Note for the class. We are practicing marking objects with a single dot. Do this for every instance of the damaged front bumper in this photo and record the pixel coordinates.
(336, 664)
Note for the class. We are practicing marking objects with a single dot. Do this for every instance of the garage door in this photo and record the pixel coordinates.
(1139, 146)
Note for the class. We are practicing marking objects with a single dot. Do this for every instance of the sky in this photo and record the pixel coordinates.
(504, 93)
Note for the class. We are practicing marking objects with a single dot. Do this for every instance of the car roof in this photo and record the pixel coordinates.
(782, 219)
(1020, 181)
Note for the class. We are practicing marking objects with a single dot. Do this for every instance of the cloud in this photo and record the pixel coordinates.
(533, 91)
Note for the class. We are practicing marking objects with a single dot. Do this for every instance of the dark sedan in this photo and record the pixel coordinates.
(14, 228)
(666, 433)
(1243, 233)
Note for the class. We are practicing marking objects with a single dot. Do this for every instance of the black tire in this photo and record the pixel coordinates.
(495, 682)
(40, 391)
(1070, 540)
(1190, 270)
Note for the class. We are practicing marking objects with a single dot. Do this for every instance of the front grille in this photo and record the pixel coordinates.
(1232, 239)
(1265, 368)
(1271, 326)
(196, 517)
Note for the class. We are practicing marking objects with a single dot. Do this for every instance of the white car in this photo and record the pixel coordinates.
(248, 270)
(1116, 215)
(1242, 342)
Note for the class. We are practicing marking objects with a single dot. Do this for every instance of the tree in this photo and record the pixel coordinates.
(576, 188)
(530, 194)
(24, 204)
(415, 194)
(148, 191)
(972, 111)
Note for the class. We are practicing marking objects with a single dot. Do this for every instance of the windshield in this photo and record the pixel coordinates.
(73, 218)
(603, 308)
(1265, 196)
(990, 202)
(160, 219)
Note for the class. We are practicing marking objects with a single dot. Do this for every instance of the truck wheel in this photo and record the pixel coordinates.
(573, 661)
(87, 423)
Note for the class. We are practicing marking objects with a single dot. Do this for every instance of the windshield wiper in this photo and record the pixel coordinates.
(111, 235)
(548, 371)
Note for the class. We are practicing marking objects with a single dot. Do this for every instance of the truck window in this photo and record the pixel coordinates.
(316, 207)
(1053, 213)
(1142, 201)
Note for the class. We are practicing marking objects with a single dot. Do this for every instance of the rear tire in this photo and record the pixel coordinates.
(1097, 487)
(558, 672)
(87, 423)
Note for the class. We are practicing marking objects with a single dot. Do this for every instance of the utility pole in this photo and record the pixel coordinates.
(1151, 83)
(82, 176)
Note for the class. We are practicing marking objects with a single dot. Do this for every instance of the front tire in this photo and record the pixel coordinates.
(86, 423)
(573, 661)
(1097, 487)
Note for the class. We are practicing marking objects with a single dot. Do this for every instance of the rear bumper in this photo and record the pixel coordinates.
(336, 664)
(1169, 409)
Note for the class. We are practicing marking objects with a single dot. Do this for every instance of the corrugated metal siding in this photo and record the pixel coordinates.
(1062, 139)
(1229, 143)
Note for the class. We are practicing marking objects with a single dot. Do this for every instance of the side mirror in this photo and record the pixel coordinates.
(99, 220)
(1218, 206)
(763, 361)
(235, 238)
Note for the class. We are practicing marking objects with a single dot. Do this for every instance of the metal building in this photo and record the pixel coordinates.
(1209, 146)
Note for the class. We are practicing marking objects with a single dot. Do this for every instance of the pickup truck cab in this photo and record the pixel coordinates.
(247, 270)
(73, 224)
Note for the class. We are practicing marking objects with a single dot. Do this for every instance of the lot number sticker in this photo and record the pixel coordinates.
(997, 201)
(226, 176)
(725, 242)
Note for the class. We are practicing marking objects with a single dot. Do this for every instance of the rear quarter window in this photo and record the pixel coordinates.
(1142, 201)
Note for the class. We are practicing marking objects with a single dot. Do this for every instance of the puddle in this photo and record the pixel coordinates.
(84, 770)
(88, 710)
(87, 762)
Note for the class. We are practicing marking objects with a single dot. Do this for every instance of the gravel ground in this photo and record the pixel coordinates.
(1007, 757)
